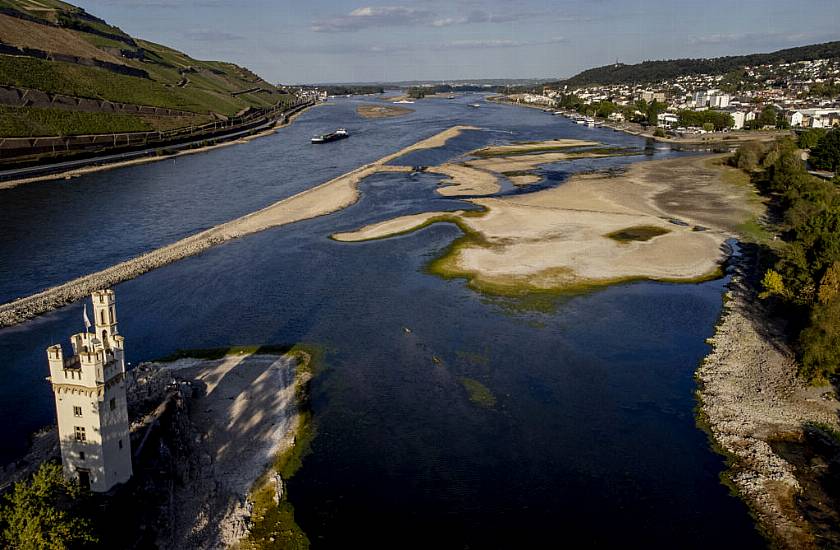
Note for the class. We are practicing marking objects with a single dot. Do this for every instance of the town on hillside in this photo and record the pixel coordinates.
(803, 94)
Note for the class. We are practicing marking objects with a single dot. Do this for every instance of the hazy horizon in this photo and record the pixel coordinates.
(362, 41)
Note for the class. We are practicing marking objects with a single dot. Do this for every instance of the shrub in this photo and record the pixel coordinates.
(46, 512)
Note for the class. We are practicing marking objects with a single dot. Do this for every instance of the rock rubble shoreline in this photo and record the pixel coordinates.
(750, 395)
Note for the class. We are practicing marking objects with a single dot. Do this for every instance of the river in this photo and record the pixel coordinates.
(592, 440)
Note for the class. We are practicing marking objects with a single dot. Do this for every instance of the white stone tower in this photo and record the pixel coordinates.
(90, 400)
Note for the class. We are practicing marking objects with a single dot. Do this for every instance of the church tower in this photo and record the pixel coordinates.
(90, 400)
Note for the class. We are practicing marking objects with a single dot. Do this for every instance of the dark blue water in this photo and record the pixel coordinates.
(592, 441)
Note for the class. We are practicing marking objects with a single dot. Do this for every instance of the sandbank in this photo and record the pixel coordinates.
(557, 239)
(465, 180)
(382, 111)
(318, 201)
(533, 147)
(524, 179)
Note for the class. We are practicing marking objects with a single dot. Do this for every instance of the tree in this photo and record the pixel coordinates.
(653, 110)
(773, 285)
(768, 117)
(830, 284)
(606, 108)
(826, 155)
(820, 342)
(809, 139)
(46, 512)
(748, 156)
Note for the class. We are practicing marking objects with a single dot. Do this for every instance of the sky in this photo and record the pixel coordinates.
(323, 41)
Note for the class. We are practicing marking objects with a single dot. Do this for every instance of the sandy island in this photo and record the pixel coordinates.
(323, 199)
(382, 111)
(558, 239)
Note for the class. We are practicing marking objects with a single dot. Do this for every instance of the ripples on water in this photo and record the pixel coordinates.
(592, 440)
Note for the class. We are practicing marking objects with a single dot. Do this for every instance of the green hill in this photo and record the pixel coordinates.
(654, 71)
(58, 48)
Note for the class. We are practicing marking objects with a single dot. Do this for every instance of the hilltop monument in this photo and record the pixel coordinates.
(90, 400)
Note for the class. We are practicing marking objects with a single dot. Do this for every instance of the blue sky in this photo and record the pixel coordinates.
(366, 40)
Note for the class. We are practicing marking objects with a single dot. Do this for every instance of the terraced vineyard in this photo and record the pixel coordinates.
(58, 48)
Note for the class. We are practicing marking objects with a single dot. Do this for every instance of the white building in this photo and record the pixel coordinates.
(719, 101)
(667, 120)
(795, 118)
(90, 401)
(740, 118)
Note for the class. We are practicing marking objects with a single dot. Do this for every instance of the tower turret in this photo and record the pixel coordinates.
(90, 400)
(105, 316)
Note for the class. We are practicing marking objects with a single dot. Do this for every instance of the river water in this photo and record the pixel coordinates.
(592, 440)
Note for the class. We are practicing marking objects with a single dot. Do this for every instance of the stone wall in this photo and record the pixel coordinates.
(7, 49)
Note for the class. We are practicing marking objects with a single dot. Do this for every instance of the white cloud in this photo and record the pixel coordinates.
(374, 16)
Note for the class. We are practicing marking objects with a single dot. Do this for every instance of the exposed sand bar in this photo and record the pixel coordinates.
(382, 111)
(524, 163)
(533, 147)
(556, 239)
(465, 180)
(525, 179)
(395, 226)
(324, 199)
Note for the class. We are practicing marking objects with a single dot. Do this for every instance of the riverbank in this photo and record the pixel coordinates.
(750, 399)
(91, 167)
(244, 413)
(323, 199)
(716, 141)
(661, 220)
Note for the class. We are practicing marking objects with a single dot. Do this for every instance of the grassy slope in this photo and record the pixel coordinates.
(175, 80)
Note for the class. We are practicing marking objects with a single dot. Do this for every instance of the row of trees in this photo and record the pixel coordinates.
(709, 120)
(640, 111)
(805, 275)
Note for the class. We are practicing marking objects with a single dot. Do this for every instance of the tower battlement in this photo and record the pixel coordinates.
(91, 407)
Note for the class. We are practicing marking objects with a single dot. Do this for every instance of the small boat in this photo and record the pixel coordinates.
(475, 105)
(405, 101)
(341, 133)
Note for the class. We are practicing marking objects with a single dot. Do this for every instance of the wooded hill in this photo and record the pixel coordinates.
(655, 71)
(64, 71)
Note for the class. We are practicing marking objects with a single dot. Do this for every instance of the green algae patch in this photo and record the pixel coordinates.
(478, 393)
(637, 233)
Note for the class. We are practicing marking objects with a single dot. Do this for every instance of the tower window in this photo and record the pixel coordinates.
(77, 411)
(112, 403)
(81, 455)
(120, 442)
(79, 433)
(111, 315)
